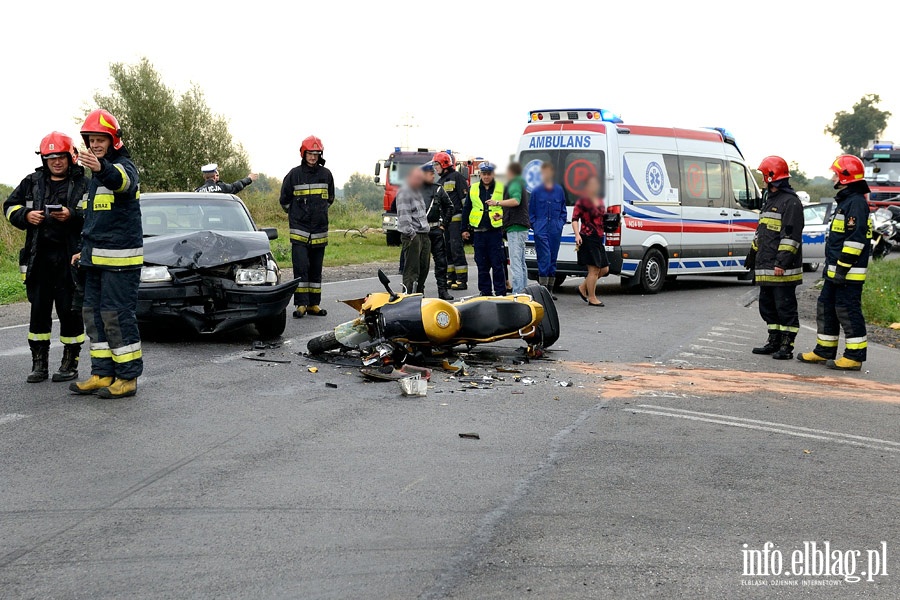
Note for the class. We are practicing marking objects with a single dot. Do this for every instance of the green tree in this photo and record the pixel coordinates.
(798, 177)
(363, 189)
(170, 136)
(853, 130)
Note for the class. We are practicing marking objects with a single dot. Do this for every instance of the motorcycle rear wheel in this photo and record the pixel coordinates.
(323, 343)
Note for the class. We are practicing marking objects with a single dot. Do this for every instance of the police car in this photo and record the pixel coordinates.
(684, 198)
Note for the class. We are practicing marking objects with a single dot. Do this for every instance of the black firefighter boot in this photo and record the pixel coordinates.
(786, 348)
(68, 368)
(40, 358)
(443, 294)
(772, 344)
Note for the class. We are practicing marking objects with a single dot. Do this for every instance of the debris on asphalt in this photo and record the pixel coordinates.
(508, 370)
(261, 345)
(612, 377)
(261, 357)
(413, 386)
(564, 383)
(313, 369)
(470, 436)
(518, 392)
(458, 366)
(527, 381)
(331, 385)
(424, 372)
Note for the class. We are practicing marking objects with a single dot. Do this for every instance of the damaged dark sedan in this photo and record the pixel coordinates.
(208, 267)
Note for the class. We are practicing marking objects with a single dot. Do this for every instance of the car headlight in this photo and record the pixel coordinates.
(250, 276)
(155, 274)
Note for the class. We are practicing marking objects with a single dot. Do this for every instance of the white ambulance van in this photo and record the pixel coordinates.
(684, 198)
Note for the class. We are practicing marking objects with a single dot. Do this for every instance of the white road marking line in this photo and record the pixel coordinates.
(716, 334)
(764, 428)
(10, 417)
(699, 347)
(758, 422)
(21, 326)
(692, 355)
(721, 342)
(17, 351)
(734, 329)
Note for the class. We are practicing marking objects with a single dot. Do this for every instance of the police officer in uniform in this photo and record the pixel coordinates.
(112, 255)
(211, 183)
(847, 251)
(777, 259)
(306, 195)
(45, 206)
(483, 216)
(440, 213)
(457, 188)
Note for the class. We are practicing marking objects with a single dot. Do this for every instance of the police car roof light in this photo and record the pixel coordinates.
(883, 146)
(396, 148)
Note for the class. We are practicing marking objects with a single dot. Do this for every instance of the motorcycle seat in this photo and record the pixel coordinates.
(485, 319)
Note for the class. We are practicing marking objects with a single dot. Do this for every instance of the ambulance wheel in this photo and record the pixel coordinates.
(392, 238)
(653, 271)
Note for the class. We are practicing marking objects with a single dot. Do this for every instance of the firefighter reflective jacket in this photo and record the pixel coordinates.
(113, 237)
(306, 194)
(440, 209)
(32, 194)
(848, 245)
(457, 188)
(475, 207)
(779, 238)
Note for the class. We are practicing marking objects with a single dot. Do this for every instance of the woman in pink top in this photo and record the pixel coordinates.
(587, 223)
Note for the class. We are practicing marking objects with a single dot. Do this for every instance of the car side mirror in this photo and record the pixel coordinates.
(377, 171)
(271, 232)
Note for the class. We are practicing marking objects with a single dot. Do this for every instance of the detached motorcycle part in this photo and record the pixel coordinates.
(323, 343)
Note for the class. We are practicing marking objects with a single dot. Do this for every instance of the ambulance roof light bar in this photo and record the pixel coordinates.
(573, 114)
(727, 137)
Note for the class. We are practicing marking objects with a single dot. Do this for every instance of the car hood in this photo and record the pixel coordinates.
(204, 249)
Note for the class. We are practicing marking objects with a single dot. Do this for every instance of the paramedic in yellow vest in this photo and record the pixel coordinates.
(483, 218)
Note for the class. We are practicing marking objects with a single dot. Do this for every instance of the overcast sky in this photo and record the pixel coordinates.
(468, 71)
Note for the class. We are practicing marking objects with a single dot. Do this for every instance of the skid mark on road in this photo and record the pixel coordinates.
(638, 379)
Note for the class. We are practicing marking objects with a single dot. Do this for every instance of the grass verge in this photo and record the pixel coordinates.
(881, 294)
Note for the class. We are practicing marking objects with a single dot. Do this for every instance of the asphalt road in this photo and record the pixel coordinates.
(674, 447)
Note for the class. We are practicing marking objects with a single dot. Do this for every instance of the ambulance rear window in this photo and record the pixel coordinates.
(573, 169)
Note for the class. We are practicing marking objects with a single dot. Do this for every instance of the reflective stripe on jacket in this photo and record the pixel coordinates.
(849, 241)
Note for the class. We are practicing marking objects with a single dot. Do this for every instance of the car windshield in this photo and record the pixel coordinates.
(163, 216)
(399, 170)
(815, 214)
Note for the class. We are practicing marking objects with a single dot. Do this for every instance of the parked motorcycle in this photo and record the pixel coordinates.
(395, 328)
(885, 231)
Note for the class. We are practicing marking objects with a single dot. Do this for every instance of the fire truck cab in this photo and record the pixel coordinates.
(882, 162)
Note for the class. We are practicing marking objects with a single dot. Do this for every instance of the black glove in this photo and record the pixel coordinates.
(750, 261)
(839, 279)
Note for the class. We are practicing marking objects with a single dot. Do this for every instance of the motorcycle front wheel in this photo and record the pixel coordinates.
(323, 343)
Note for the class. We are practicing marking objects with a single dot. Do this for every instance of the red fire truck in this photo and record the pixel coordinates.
(882, 163)
(396, 167)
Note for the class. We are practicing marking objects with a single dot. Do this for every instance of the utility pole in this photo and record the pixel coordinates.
(407, 124)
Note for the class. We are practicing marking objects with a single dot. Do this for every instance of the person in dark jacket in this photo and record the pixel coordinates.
(440, 213)
(516, 225)
(847, 250)
(483, 217)
(412, 223)
(112, 255)
(776, 256)
(45, 205)
(306, 195)
(457, 189)
(212, 185)
(548, 215)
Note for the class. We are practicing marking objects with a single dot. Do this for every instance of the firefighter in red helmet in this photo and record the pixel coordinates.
(306, 195)
(847, 250)
(457, 188)
(776, 256)
(45, 206)
(112, 255)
